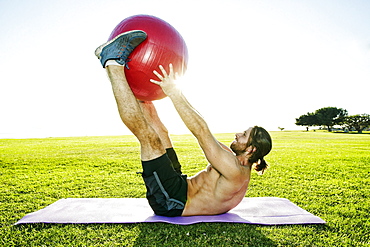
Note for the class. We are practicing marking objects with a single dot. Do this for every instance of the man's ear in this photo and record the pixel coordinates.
(251, 149)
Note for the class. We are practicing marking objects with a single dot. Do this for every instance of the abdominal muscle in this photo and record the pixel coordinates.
(206, 195)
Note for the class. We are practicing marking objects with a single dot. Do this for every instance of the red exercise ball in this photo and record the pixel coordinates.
(164, 45)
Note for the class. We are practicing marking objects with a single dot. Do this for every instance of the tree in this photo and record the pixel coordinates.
(330, 116)
(327, 116)
(309, 119)
(357, 122)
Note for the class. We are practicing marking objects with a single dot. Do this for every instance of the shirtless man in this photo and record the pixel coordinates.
(214, 190)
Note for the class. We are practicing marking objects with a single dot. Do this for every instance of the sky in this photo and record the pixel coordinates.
(250, 63)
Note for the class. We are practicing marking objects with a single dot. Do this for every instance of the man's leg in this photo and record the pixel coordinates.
(112, 54)
(151, 115)
(132, 115)
(166, 191)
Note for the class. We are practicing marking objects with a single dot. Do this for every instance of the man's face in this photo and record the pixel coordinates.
(239, 145)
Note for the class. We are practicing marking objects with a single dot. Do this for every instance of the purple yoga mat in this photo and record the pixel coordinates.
(252, 210)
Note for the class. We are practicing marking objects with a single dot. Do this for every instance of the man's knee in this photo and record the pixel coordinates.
(151, 146)
(154, 141)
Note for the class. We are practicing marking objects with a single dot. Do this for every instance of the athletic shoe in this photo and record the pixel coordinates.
(120, 47)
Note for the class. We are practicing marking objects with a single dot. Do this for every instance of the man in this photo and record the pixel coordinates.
(215, 190)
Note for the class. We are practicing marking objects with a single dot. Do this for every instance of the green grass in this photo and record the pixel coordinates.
(326, 174)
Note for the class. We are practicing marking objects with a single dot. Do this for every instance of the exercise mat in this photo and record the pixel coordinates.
(252, 210)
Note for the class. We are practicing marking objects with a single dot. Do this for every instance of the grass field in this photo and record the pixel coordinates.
(326, 174)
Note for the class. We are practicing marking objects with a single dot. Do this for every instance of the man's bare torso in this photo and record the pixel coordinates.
(209, 193)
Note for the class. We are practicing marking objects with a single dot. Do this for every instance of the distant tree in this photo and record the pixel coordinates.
(310, 119)
(330, 116)
(327, 116)
(357, 122)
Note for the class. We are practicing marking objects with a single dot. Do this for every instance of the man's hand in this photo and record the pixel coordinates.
(167, 81)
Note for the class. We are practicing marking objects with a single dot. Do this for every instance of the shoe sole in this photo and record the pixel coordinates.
(100, 48)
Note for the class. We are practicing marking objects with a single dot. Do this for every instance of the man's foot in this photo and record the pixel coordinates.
(120, 47)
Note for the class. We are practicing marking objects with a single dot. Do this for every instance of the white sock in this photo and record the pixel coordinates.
(113, 62)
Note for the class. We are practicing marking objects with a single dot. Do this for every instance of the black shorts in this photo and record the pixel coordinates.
(166, 189)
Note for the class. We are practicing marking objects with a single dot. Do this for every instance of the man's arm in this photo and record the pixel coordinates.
(222, 160)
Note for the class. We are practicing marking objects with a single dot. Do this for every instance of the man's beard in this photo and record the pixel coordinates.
(238, 148)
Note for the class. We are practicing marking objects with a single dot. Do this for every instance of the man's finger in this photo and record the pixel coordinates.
(158, 75)
(164, 72)
(171, 69)
(155, 82)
